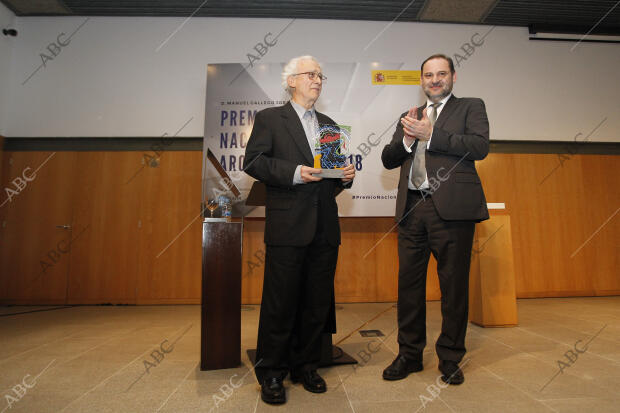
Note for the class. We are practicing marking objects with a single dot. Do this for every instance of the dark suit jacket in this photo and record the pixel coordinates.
(460, 137)
(276, 146)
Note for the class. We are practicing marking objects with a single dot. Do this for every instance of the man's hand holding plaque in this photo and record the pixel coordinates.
(349, 173)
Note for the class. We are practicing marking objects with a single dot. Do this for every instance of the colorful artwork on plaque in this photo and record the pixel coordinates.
(332, 147)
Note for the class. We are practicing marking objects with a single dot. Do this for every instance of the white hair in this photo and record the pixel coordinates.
(291, 68)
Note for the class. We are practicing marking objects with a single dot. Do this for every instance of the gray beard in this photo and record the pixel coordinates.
(438, 98)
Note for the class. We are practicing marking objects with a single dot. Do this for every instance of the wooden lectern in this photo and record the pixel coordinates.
(220, 337)
(492, 296)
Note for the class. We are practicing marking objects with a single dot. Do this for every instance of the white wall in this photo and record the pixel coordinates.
(110, 80)
(6, 44)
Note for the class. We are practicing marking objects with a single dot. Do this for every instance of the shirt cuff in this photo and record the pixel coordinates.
(407, 148)
(297, 177)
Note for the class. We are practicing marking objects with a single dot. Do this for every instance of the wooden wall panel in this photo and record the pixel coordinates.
(104, 260)
(171, 236)
(34, 253)
(556, 204)
(602, 206)
(368, 262)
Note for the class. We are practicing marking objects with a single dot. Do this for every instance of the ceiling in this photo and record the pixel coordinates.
(577, 16)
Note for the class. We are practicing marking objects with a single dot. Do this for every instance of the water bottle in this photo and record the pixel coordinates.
(225, 207)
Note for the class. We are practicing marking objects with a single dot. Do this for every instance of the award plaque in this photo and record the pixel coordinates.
(331, 147)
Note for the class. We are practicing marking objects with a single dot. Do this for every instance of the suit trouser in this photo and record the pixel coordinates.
(297, 299)
(420, 233)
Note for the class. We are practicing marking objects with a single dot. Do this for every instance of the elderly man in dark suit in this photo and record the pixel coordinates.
(302, 234)
(439, 200)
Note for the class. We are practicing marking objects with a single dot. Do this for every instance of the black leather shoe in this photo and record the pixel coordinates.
(452, 373)
(401, 367)
(272, 391)
(311, 381)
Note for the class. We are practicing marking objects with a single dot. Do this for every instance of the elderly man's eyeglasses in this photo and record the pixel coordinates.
(313, 75)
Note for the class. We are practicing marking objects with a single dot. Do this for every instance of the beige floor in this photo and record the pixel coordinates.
(94, 359)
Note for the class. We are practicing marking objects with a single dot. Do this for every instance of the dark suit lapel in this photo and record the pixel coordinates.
(296, 130)
(446, 112)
